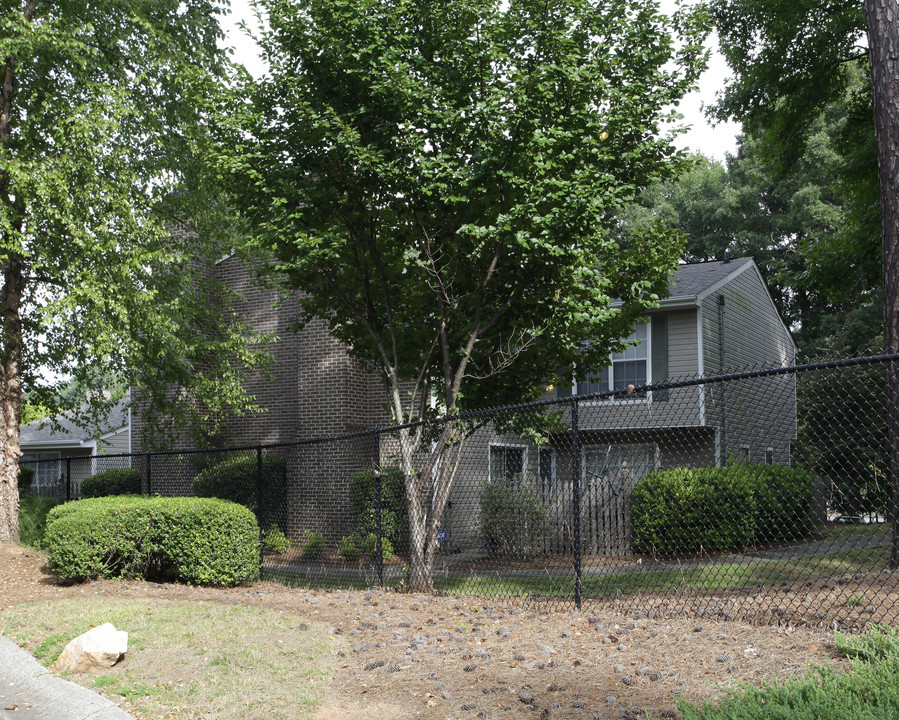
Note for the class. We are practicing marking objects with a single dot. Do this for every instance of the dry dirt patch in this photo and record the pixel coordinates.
(415, 656)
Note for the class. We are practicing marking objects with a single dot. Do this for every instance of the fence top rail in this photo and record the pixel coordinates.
(486, 412)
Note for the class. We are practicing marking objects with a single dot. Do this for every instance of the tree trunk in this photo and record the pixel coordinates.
(10, 399)
(10, 322)
(428, 491)
(882, 20)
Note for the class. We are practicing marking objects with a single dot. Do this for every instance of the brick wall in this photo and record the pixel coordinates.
(311, 389)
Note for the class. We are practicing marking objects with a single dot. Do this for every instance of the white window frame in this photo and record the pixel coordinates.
(505, 446)
(610, 370)
(41, 459)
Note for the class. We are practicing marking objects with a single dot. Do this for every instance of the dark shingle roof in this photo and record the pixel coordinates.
(692, 279)
(41, 431)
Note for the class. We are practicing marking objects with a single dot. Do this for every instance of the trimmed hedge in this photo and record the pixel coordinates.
(234, 479)
(124, 481)
(718, 509)
(193, 540)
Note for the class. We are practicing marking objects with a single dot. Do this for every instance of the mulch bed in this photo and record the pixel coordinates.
(415, 656)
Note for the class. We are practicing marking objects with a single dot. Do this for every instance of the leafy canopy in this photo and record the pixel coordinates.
(104, 129)
(440, 179)
(800, 67)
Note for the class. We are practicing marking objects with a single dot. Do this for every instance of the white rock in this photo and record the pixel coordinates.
(101, 646)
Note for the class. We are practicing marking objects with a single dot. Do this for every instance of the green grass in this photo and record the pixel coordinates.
(840, 531)
(870, 691)
(187, 660)
(33, 518)
(711, 575)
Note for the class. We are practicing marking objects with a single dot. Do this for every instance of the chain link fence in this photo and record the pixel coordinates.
(760, 495)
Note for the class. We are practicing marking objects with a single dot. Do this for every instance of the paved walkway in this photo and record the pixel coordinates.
(28, 691)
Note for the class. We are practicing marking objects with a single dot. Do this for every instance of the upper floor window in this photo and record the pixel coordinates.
(628, 367)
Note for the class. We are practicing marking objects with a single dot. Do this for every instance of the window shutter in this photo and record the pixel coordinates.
(659, 330)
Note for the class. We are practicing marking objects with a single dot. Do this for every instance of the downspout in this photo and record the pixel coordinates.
(724, 420)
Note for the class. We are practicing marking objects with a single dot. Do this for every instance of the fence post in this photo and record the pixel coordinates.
(380, 527)
(68, 479)
(259, 502)
(576, 502)
(149, 474)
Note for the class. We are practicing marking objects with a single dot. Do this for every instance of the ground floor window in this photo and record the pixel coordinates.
(618, 465)
(48, 472)
(508, 463)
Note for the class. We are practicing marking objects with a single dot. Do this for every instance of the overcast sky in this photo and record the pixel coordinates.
(702, 137)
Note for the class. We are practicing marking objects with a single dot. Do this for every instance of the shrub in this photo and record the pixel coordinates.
(234, 479)
(369, 546)
(785, 503)
(718, 509)
(33, 518)
(314, 545)
(275, 540)
(394, 512)
(194, 540)
(348, 549)
(26, 476)
(513, 521)
(125, 481)
(869, 690)
(353, 547)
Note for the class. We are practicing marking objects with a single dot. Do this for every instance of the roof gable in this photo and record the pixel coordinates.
(694, 279)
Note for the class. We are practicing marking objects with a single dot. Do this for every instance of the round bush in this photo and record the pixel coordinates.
(513, 521)
(124, 481)
(235, 479)
(275, 540)
(193, 540)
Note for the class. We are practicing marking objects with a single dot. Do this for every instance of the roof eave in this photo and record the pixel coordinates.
(683, 302)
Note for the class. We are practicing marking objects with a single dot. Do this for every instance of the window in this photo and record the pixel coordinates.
(618, 465)
(628, 367)
(507, 463)
(769, 456)
(47, 473)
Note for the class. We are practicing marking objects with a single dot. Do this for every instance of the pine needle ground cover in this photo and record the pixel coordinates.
(189, 660)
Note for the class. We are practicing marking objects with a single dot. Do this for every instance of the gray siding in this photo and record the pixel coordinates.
(750, 415)
(683, 353)
(677, 408)
(115, 444)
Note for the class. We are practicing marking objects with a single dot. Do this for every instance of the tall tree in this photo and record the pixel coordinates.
(801, 86)
(439, 180)
(882, 21)
(102, 129)
(790, 60)
(794, 224)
